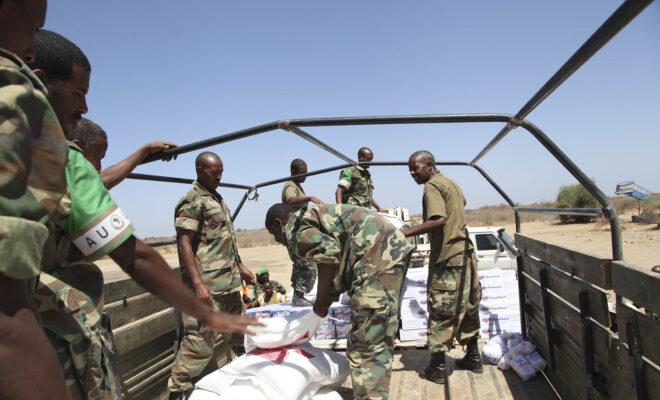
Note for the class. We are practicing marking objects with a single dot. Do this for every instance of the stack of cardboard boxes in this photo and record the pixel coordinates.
(500, 306)
(414, 313)
(337, 323)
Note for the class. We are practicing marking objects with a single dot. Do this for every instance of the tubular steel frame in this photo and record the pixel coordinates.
(610, 28)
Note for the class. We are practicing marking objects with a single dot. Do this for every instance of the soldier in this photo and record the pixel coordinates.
(358, 250)
(263, 276)
(267, 296)
(211, 267)
(96, 226)
(355, 185)
(303, 274)
(454, 292)
(32, 182)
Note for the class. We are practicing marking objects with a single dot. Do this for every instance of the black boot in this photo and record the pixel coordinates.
(472, 359)
(435, 371)
(299, 300)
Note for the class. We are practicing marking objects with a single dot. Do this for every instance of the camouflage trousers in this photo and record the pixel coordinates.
(80, 335)
(198, 345)
(303, 276)
(374, 323)
(454, 294)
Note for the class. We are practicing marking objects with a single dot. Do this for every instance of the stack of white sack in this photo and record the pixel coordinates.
(512, 351)
(414, 311)
(499, 310)
(279, 365)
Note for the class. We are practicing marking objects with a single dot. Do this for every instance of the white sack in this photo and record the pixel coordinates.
(521, 349)
(297, 372)
(295, 328)
(505, 362)
(536, 361)
(492, 353)
(324, 394)
(524, 369)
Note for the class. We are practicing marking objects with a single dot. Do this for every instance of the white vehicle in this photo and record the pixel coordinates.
(494, 247)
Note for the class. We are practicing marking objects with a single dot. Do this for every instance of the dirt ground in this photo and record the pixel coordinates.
(641, 247)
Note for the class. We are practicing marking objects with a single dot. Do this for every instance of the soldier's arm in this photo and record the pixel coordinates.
(113, 175)
(326, 275)
(339, 193)
(299, 200)
(431, 225)
(375, 205)
(150, 270)
(184, 239)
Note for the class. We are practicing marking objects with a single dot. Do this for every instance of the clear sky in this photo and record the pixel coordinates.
(186, 71)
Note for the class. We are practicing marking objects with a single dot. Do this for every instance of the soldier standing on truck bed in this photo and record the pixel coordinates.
(355, 186)
(303, 274)
(210, 266)
(454, 292)
(359, 251)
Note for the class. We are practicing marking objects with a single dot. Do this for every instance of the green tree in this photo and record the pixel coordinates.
(575, 196)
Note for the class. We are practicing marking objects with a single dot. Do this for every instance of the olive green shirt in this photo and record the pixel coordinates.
(214, 243)
(358, 186)
(444, 198)
(292, 189)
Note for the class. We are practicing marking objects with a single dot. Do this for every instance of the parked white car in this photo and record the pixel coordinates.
(494, 247)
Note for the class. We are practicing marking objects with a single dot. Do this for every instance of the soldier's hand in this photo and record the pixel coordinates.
(320, 308)
(203, 293)
(247, 275)
(316, 200)
(162, 145)
(222, 322)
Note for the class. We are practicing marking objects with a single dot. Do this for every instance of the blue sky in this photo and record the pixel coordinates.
(186, 71)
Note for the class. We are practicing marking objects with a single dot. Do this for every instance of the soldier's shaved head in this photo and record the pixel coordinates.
(297, 164)
(364, 152)
(209, 169)
(423, 156)
(421, 165)
(92, 140)
(279, 211)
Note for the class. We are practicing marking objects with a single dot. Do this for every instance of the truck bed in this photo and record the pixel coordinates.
(492, 384)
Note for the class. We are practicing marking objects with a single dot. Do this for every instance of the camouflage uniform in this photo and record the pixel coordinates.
(277, 288)
(358, 186)
(32, 159)
(214, 246)
(70, 291)
(454, 292)
(372, 256)
(303, 274)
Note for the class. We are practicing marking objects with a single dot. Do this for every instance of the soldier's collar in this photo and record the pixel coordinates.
(203, 191)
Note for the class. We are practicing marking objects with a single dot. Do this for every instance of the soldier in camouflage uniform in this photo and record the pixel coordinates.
(211, 267)
(263, 276)
(303, 274)
(454, 292)
(32, 183)
(355, 185)
(358, 251)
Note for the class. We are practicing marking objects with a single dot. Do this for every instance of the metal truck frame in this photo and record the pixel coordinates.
(546, 273)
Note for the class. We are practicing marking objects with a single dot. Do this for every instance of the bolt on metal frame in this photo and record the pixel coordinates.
(610, 28)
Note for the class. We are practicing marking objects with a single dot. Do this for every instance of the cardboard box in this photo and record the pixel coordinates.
(411, 308)
(500, 308)
(408, 324)
(496, 273)
(415, 292)
(325, 331)
(341, 330)
(416, 334)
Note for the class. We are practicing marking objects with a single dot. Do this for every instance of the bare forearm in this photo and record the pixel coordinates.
(326, 275)
(339, 194)
(426, 227)
(299, 200)
(375, 205)
(113, 175)
(151, 271)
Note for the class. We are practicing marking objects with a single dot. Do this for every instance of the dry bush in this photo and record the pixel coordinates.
(254, 238)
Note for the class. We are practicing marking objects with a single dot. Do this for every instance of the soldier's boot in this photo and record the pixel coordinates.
(435, 371)
(472, 359)
(299, 300)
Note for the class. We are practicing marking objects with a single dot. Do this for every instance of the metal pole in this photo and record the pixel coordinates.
(240, 205)
(319, 143)
(613, 25)
(608, 208)
(170, 179)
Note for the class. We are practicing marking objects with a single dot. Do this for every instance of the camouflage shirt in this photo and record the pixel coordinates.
(32, 159)
(214, 244)
(358, 186)
(360, 241)
(444, 198)
(292, 189)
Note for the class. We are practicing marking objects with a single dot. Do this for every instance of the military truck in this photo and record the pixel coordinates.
(594, 319)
